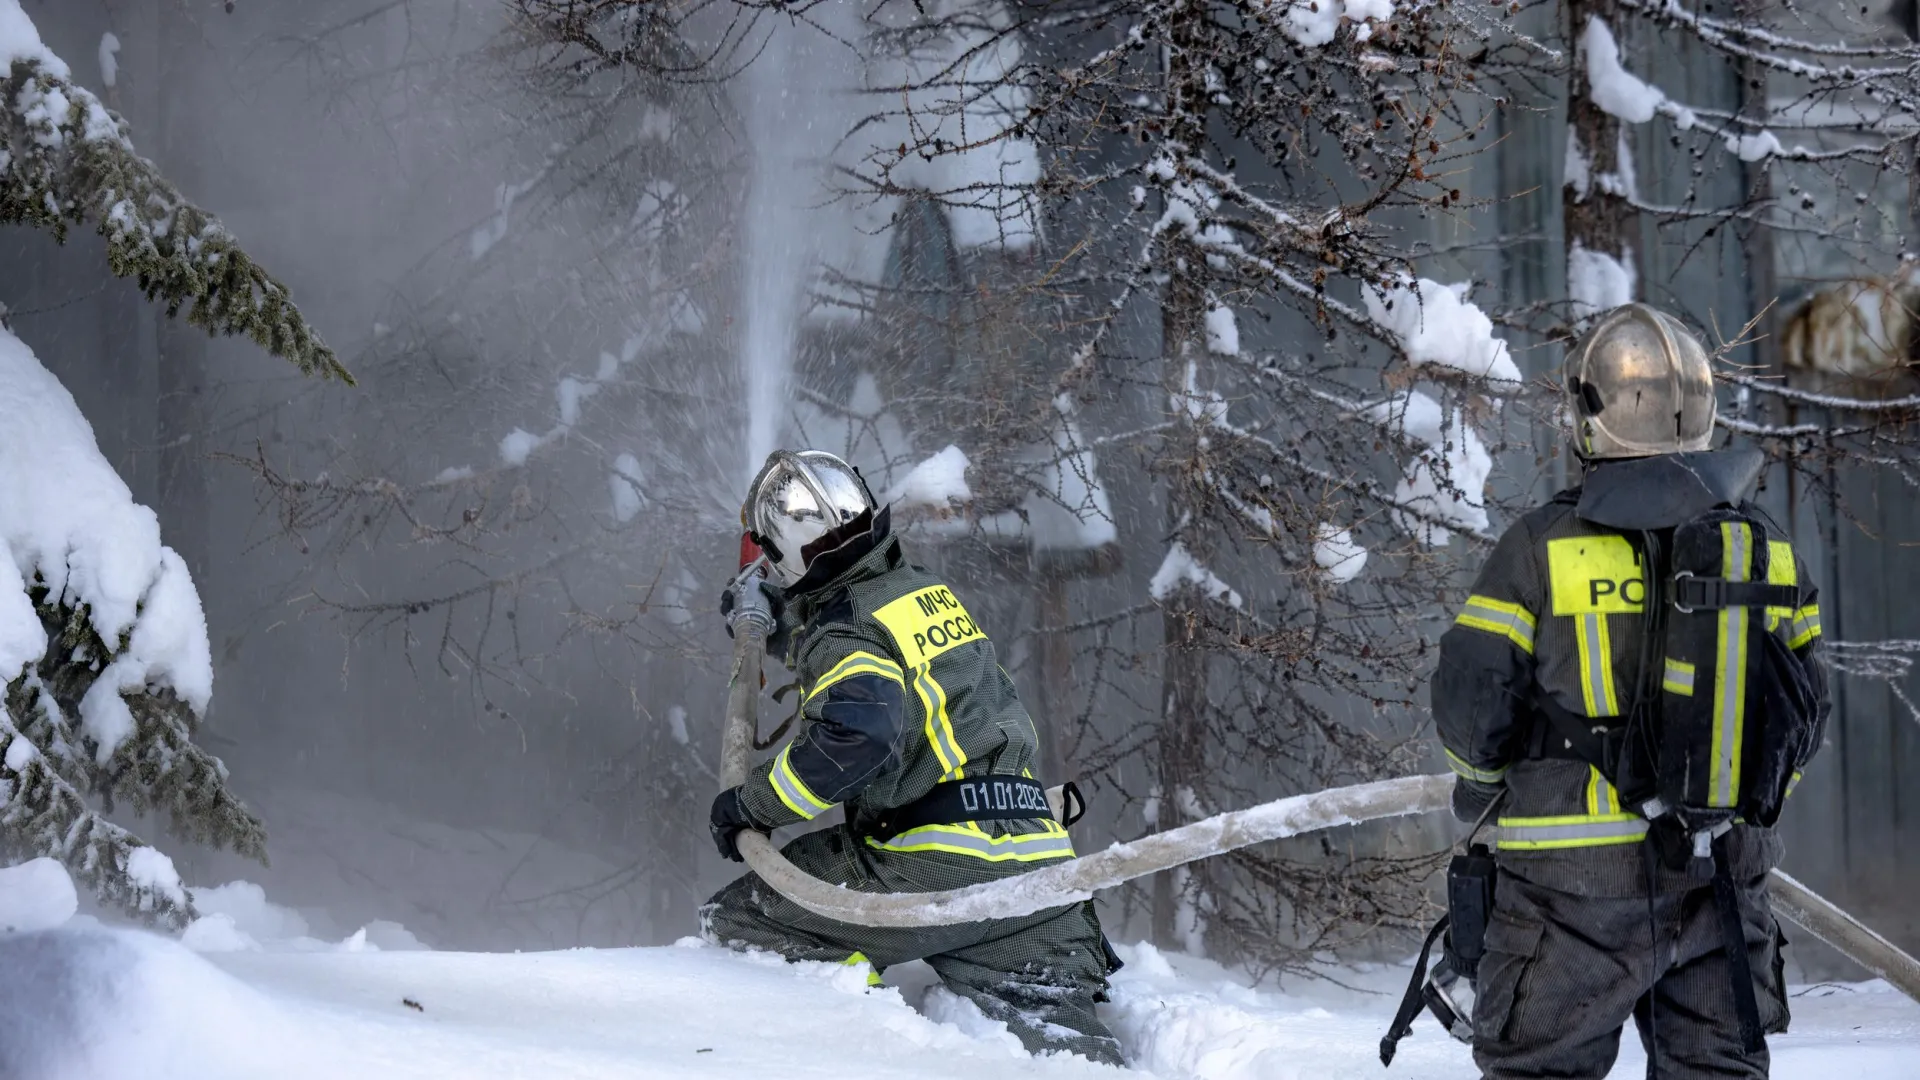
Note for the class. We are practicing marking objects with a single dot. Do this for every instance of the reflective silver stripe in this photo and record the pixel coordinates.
(1597, 665)
(1604, 800)
(1021, 847)
(1679, 677)
(1804, 628)
(793, 791)
(1730, 677)
(1570, 834)
(1514, 623)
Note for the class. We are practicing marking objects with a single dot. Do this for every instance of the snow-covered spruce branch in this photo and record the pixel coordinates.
(66, 160)
(153, 766)
(105, 662)
(43, 814)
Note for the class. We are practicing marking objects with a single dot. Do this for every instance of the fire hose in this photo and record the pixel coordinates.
(1073, 880)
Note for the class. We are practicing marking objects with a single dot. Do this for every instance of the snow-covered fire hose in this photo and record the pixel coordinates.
(1077, 879)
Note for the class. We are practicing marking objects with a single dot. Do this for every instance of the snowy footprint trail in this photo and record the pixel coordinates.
(82, 1002)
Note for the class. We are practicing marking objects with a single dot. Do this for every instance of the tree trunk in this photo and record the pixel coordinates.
(1756, 243)
(1183, 687)
(1183, 678)
(1597, 219)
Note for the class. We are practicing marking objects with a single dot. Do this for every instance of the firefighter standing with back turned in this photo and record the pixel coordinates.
(1634, 680)
(908, 721)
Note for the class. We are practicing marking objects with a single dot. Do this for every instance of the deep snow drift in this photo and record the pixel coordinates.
(83, 1001)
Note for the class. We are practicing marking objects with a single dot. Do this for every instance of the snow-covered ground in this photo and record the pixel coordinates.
(84, 1001)
(248, 991)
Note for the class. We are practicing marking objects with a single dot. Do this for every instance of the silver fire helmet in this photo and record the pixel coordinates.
(1638, 384)
(800, 506)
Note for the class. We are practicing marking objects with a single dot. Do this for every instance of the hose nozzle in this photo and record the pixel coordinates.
(752, 609)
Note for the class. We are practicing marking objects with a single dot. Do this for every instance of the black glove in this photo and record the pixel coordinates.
(1471, 798)
(774, 599)
(728, 817)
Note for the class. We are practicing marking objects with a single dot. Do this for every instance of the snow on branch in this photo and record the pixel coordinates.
(66, 160)
(1438, 328)
(104, 655)
(1180, 570)
(1618, 91)
(1596, 281)
(1336, 554)
(1447, 480)
(938, 483)
(1315, 22)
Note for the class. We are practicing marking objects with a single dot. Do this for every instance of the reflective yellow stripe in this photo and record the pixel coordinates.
(1473, 772)
(1679, 677)
(1780, 571)
(1497, 617)
(793, 791)
(1596, 664)
(873, 974)
(1571, 831)
(1729, 672)
(1792, 783)
(939, 726)
(1602, 799)
(972, 841)
(857, 663)
(1804, 628)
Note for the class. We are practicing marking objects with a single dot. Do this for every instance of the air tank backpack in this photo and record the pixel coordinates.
(1738, 714)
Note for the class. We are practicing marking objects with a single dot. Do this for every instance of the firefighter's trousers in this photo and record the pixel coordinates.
(1563, 974)
(1039, 974)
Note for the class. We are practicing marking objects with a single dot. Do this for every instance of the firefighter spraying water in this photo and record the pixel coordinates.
(909, 723)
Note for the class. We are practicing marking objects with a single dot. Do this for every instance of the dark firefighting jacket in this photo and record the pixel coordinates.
(1556, 614)
(901, 690)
